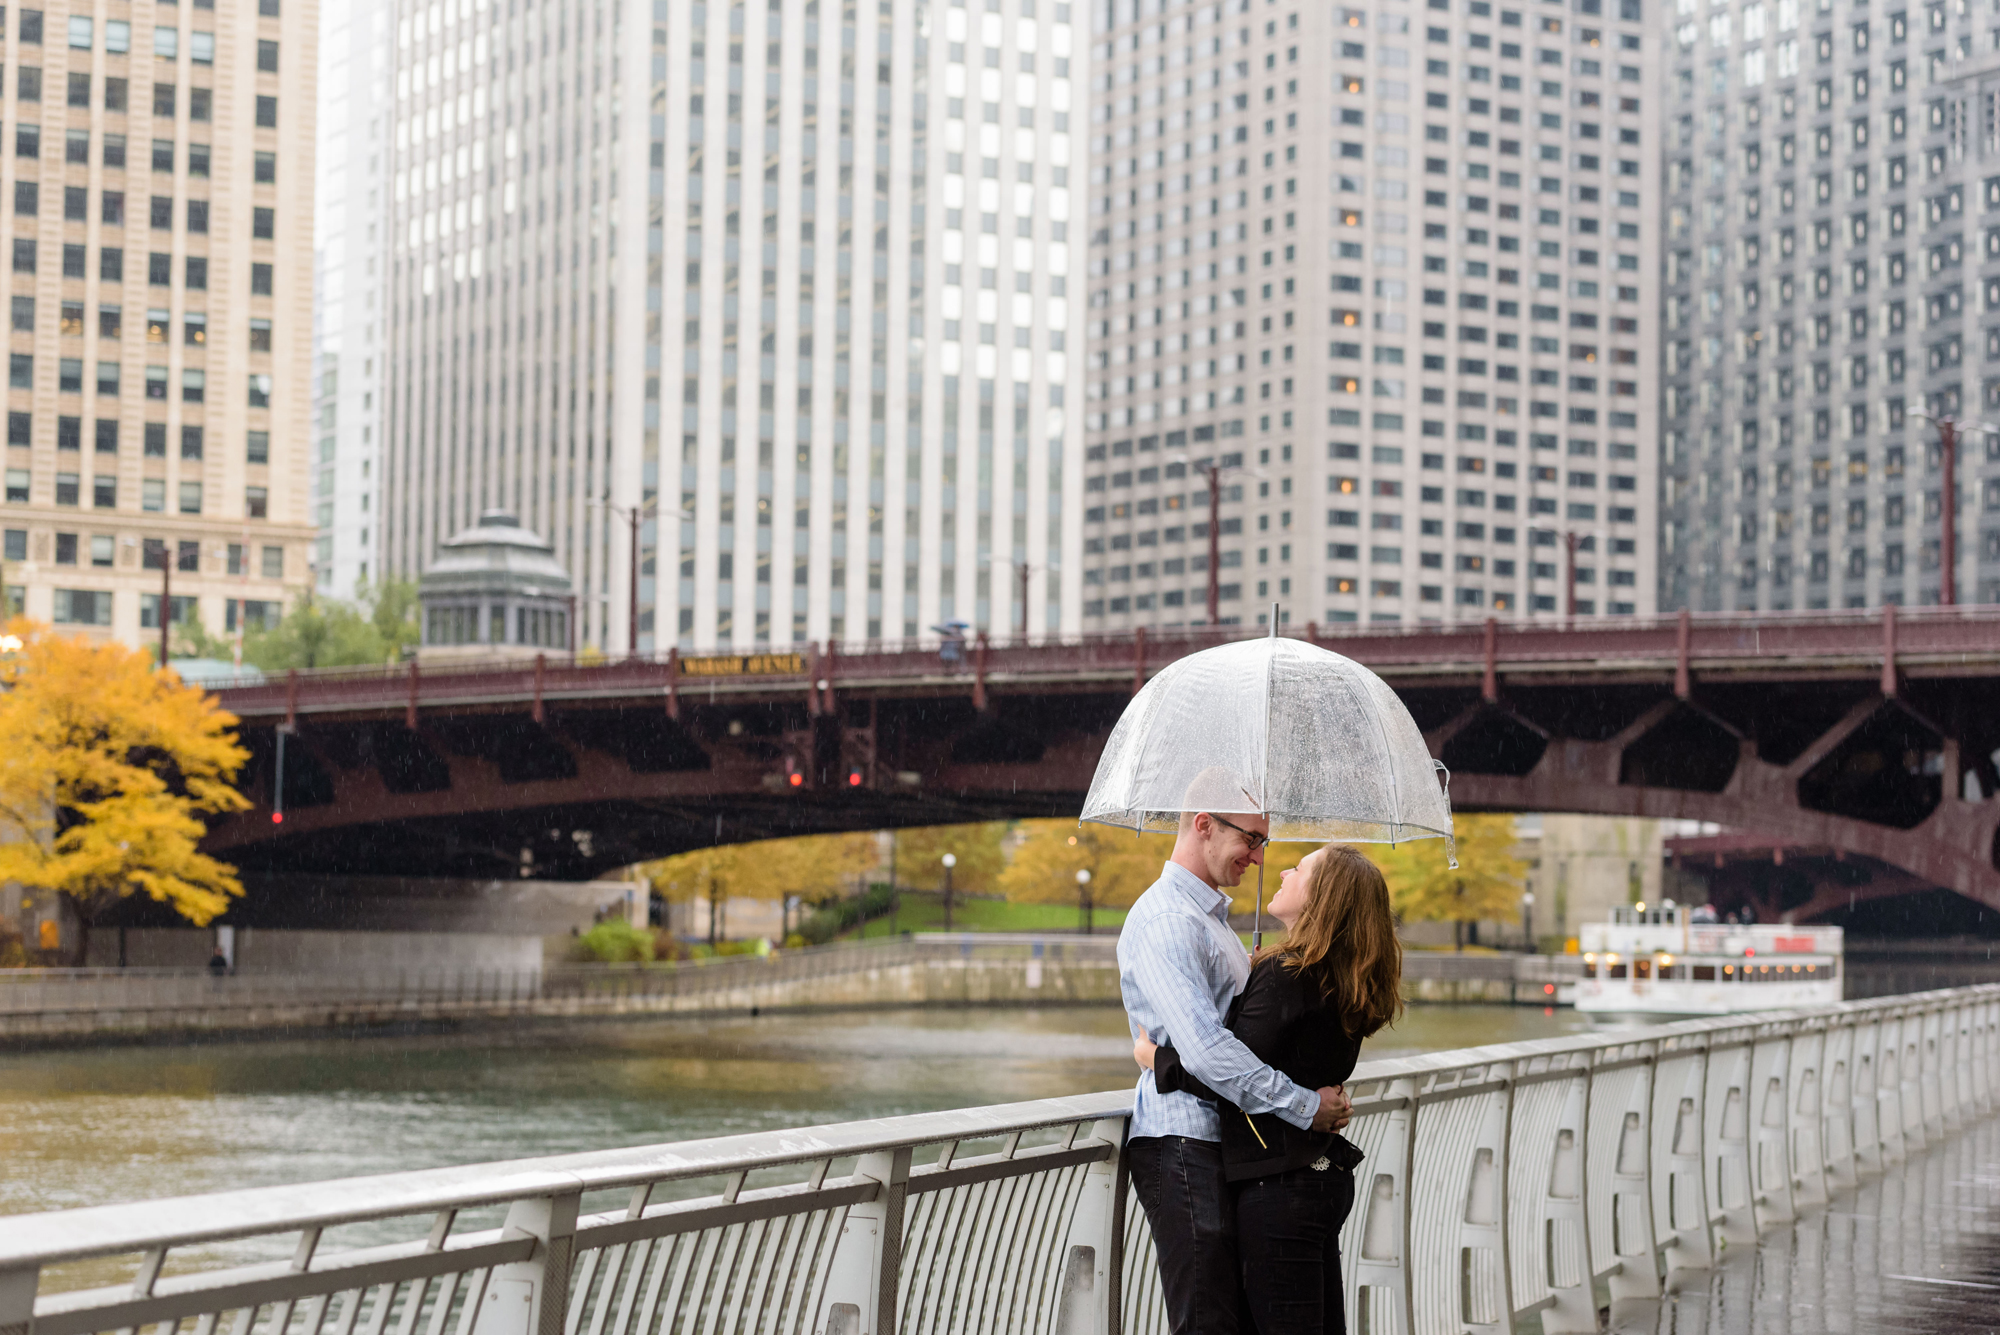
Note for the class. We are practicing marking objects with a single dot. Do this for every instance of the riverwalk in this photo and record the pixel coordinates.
(68, 1007)
(1714, 1175)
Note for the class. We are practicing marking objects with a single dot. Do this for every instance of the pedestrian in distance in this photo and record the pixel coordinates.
(1309, 1002)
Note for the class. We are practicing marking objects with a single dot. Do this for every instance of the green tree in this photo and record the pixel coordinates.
(1121, 864)
(106, 773)
(380, 626)
(1485, 887)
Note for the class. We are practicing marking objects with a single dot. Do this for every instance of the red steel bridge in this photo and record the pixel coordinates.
(1872, 733)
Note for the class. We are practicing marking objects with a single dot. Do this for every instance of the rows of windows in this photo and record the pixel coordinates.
(109, 379)
(75, 263)
(104, 436)
(72, 319)
(156, 495)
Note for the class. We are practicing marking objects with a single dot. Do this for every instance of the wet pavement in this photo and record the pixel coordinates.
(1915, 1251)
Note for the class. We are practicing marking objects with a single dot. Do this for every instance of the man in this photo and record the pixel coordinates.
(1179, 965)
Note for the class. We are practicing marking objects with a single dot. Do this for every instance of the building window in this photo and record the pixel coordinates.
(21, 370)
(111, 261)
(273, 563)
(260, 391)
(17, 486)
(266, 169)
(69, 433)
(194, 386)
(190, 498)
(156, 440)
(260, 280)
(107, 379)
(69, 375)
(267, 112)
(163, 156)
(166, 43)
(27, 141)
(153, 495)
(191, 442)
(194, 329)
(20, 428)
(24, 255)
(201, 104)
(259, 447)
(264, 224)
(260, 336)
(82, 607)
(156, 382)
(104, 496)
(197, 273)
(201, 48)
(107, 435)
(267, 57)
(114, 151)
(69, 489)
(256, 503)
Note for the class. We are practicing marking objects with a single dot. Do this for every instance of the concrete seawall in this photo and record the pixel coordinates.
(184, 1008)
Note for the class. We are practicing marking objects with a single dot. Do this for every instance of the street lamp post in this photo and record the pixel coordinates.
(1949, 429)
(1083, 897)
(1528, 919)
(950, 860)
(635, 515)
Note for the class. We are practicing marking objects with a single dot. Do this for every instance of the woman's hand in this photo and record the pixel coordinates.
(1143, 1049)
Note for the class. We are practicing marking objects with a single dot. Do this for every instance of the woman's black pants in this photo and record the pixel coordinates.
(1288, 1242)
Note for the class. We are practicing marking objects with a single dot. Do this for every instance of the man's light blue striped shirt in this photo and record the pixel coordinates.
(1179, 966)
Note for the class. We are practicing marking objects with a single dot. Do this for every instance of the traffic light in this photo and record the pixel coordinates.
(854, 777)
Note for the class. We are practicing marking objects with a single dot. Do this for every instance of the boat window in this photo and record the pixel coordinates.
(1590, 968)
(1642, 968)
(1704, 973)
(1617, 971)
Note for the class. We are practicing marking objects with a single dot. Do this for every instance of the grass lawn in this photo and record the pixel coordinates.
(923, 911)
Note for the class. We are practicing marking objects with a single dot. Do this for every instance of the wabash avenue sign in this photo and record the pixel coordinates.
(744, 665)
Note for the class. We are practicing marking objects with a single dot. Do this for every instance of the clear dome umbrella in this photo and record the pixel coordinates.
(1310, 740)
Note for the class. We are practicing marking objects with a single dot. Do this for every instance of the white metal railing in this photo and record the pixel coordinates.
(1499, 1182)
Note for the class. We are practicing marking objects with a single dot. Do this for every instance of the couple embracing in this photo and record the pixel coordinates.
(1234, 1144)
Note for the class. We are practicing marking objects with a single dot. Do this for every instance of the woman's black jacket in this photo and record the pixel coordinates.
(1284, 1020)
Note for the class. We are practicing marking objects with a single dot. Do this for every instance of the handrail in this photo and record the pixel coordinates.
(1498, 1182)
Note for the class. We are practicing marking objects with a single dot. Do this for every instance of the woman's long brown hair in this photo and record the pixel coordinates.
(1345, 941)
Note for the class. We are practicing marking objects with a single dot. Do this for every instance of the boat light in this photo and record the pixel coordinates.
(1749, 951)
(1666, 959)
(1590, 957)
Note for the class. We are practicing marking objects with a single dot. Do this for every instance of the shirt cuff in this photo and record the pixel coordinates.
(1304, 1107)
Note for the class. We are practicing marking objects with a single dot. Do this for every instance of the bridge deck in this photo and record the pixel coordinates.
(1915, 1250)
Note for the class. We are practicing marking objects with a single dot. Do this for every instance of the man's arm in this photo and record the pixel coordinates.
(1168, 966)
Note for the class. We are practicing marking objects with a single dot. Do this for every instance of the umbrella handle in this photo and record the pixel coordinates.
(1257, 923)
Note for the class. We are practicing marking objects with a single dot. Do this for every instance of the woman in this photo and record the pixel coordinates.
(1308, 1004)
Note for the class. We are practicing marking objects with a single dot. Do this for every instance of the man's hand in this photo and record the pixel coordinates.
(1335, 1109)
(1143, 1049)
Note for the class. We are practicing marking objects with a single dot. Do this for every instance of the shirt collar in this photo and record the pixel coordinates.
(1205, 896)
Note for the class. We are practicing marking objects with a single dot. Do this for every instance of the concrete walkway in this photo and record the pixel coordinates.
(1915, 1251)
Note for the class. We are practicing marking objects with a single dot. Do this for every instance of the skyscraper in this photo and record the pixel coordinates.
(158, 180)
(865, 204)
(350, 258)
(1384, 274)
(1824, 288)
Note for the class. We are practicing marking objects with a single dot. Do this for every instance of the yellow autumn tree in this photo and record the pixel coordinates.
(980, 850)
(1051, 853)
(1485, 887)
(813, 867)
(107, 768)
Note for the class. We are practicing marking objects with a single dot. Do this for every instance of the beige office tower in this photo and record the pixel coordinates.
(800, 270)
(1392, 267)
(157, 185)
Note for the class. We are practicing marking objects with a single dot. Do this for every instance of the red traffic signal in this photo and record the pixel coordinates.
(797, 779)
(854, 778)
(277, 818)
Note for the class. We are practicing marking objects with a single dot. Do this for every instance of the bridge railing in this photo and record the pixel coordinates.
(1500, 1182)
(1651, 641)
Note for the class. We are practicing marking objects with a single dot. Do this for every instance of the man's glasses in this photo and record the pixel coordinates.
(1250, 837)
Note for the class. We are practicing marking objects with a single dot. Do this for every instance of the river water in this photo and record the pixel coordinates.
(99, 1125)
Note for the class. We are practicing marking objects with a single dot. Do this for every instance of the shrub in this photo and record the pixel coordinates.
(616, 941)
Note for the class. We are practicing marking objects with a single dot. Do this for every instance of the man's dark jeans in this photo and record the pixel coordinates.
(1288, 1230)
(1180, 1186)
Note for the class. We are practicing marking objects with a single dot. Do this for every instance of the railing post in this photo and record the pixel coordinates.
(410, 714)
(1888, 651)
(979, 673)
(531, 1297)
(1088, 1301)
(1683, 644)
(861, 1284)
(541, 668)
(1489, 680)
(1379, 1269)
(17, 1299)
(674, 684)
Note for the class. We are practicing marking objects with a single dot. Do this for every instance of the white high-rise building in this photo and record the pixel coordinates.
(1392, 266)
(350, 257)
(797, 269)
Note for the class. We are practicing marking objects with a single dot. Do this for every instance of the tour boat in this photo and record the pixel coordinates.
(1666, 961)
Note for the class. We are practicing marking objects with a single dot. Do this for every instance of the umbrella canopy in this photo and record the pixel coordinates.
(1273, 727)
